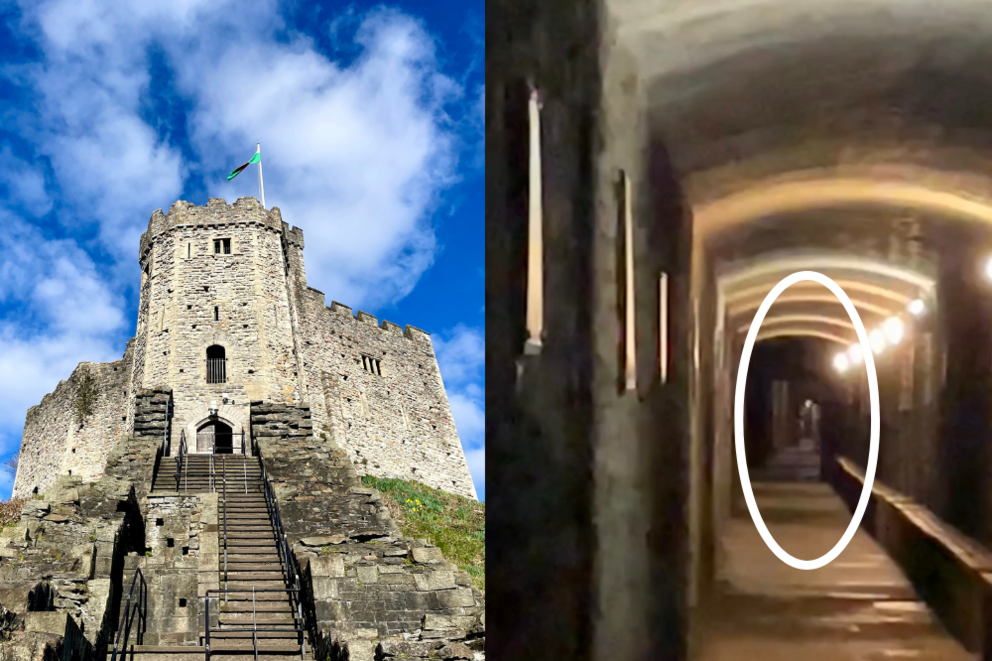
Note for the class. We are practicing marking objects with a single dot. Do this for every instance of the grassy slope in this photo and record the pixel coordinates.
(455, 524)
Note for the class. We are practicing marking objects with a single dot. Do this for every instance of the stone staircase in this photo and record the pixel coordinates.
(254, 601)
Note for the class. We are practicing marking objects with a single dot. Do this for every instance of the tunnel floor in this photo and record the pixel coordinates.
(859, 607)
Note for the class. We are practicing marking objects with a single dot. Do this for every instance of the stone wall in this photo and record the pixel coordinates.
(195, 298)
(66, 556)
(366, 584)
(54, 444)
(376, 390)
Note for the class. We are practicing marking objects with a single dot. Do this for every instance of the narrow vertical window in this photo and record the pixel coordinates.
(663, 327)
(216, 313)
(216, 246)
(535, 233)
(189, 250)
(216, 364)
(227, 246)
(627, 219)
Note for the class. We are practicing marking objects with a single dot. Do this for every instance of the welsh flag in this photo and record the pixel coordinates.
(257, 158)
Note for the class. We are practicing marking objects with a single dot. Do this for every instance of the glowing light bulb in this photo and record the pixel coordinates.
(894, 330)
(917, 307)
(841, 362)
(877, 340)
(855, 354)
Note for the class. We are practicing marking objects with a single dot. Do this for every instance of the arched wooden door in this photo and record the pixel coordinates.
(216, 437)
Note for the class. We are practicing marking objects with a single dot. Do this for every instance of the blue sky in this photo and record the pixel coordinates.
(371, 123)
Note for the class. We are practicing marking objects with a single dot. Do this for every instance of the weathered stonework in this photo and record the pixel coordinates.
(375, 389)
(54, 444)
(367, 585)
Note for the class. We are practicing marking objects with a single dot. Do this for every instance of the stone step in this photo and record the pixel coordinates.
(271, 575)
(246, 605)
(241, 595)
(263, 584)
(252, 557)
(288, 634)
(241, 617)
(250, 566)
(270, 646)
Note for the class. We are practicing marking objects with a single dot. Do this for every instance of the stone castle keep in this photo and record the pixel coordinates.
(202, 496)
(225, 319)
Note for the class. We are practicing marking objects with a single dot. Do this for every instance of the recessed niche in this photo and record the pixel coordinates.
(159, 522)
(182, 603)
(170, 542)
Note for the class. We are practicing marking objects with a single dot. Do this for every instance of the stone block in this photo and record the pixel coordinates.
(328, 566)
(392, 648)
(455, 652)
(323, 540)
(45, 622)
(457, 598)
(428, 555)
(368, 574)
(435, 580)
(325, 588)
(435, 622)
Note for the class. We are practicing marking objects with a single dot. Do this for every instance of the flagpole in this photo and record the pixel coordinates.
(261, 185)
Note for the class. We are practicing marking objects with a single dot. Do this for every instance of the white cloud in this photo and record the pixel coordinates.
(58, 312)
(25, 184)
(355, 156)
(461, 354)
(461, 357)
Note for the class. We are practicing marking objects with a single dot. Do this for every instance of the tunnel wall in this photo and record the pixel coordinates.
(539, 418)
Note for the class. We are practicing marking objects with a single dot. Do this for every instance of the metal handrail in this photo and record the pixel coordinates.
(283, 547)
(182, 468)
(130, 613)
(223, 465)
(254, 628)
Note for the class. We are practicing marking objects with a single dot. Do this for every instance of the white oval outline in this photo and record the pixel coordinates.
(752, 506)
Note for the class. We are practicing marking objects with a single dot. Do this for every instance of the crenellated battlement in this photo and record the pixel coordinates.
(215, 214)
(340, 310)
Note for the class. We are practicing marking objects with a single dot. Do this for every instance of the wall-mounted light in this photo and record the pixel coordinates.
(841, 362)
(877, 340)
(894, 330)
(213, 408)
(855, 354)
(988, 268)
(917, 307)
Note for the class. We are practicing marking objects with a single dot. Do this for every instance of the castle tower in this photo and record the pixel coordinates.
(214, 318)
(226, 318)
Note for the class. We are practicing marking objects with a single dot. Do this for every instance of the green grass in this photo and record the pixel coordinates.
(455, 524)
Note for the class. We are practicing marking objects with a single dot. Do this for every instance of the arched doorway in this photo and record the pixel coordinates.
(215, 437)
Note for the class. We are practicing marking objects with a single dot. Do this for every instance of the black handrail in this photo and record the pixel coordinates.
(181, 459)
(223, 469)
(283, 547)
(254, 628)
(138, 611)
